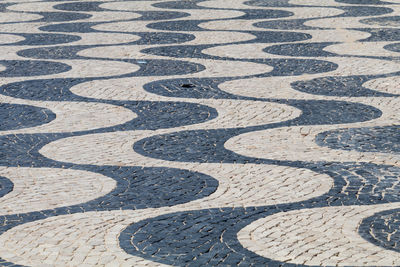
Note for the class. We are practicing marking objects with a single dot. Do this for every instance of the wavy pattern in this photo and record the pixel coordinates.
(150, 133)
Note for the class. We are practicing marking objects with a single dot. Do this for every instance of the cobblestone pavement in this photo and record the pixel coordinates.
(199, 132)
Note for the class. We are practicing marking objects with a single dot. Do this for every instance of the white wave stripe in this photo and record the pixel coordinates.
(239, 184)
(228, 4)
(272, 87)
(95, 68)
(298, 142)
(279, 87)
(244, 185)
(125, 26)
(232, 25)
(38, 189)
(389, 85)
(299, 12)
(327, 3)
(94, 38)
(79, 67)
(10, 38)
(195, 14)
(132, 89)
(10, 53)
(248, 25)
(269, 181)
(89, 239)
(346, 65)
(213, 68)
(133, 6)
(58, 240)
(17, 17)
(110, 16)
(73, 116)
(347, 22)
(220, 37)
(231, 114)
(36, 6)
(319, 236)
(49, 7)
(349, 37)
(22, 27)
(362, 49)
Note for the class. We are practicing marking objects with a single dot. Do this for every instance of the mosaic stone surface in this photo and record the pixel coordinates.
(199, 132)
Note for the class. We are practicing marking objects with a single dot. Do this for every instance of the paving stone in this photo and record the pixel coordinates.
(187, 133)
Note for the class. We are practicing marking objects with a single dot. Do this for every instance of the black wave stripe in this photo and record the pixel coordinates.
(358, 184)
(52, 17)
(22, 149)
(298, 24)
(202, 237)
(301, 50)
(270, 3)
(15, 116)
(137, 188)
(147, 38)
(282, 67)
(383, 139)
(203, 224)
(152, 115)
(3, 6)
(44, 89)
(61, 16)
(381, 35)
(193, 25)
(161, 15)
(382, 229)
(209, 237)
(178, 25)
(95, 7)
(25, 68)
(351, 86)
(293, 24)
(59, 89)
(77, 27)
(393, 47)
(294, 67)
(151, 38)
(207, 146)
(148, 67)
(364, 11)
(184, 4)
(165, 67)
(364, 2)
(54, 52)
(277, 36)
(201, 88)
(180, 51)
(393, 21)
(251, 14)
(69, 52)
(140, 188)
(81, 6)
(45, 39)
(6, 186)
